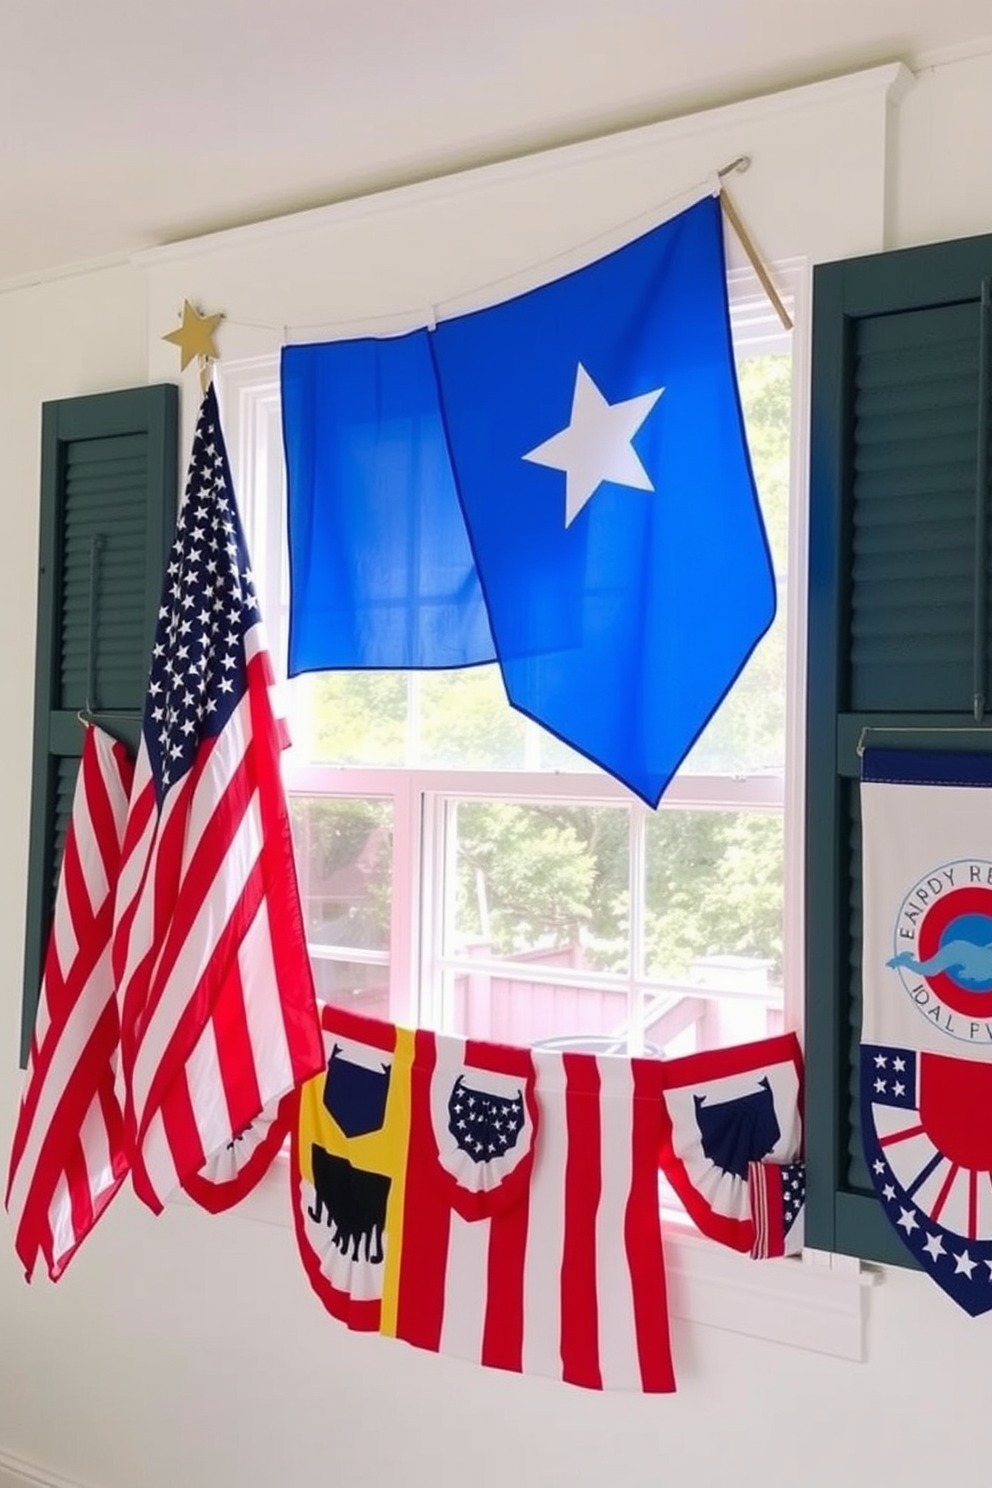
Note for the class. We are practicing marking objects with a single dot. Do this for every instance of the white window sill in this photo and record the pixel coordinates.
(818, 1302)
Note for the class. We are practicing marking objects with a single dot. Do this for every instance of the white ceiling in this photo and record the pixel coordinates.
(125, 123)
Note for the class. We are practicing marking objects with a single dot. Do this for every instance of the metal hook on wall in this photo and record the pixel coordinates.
(91, 711)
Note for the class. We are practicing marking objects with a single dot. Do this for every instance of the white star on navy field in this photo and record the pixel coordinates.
(484, 1126)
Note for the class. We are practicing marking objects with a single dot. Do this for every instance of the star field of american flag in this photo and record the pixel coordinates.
(198, 672)
(484, 1126)
(793, 1192)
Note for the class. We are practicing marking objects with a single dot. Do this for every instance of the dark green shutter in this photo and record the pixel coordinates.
(899, 628)
(108, 503)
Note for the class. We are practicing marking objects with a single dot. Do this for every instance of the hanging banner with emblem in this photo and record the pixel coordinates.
(926, 1040)
(498, 1204)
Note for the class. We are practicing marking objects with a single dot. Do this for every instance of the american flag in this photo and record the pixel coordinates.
(217, 1007)
(68, 1157)
(777, 1193)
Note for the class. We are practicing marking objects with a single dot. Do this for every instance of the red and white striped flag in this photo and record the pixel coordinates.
(217, 1006)
(68, 1158)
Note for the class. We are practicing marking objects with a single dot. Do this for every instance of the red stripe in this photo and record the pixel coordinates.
(76, 986)
(503, 1327)
(735, 1059)
(236, 1056)
(358, 1027)
(426, 1222)
(179, 897)
(500, 1059)
(772, 1187)
(296, 992)
(953, 1172)
(901, 1136)
(94, 832)
(642, 1233)
(179, 1121)
(67, 1118)
(757, 1192)
(583, 1186)
(99, 1197)
(99, 782)
(140, 810)
(183, 1138)
(202, 998)
(160, 889)
(762, 1237)
(61, 989)
(113, 1125)
(74, 893)
(83, 972)
(78, 1182)
(27, 1244)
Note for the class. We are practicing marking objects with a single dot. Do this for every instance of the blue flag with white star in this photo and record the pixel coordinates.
(596, 445)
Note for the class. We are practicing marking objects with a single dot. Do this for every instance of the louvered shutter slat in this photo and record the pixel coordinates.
(915, 432)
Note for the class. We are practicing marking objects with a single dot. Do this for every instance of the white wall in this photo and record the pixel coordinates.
(188, 1350)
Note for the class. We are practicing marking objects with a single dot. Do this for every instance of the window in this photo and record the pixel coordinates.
(900, 623)
(461, 868)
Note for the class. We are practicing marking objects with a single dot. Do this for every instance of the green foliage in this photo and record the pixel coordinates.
(359, 718)
(557, 876)
(747, 734)
(714, 888)
(526, 876)
(765, 384)
(466, 722)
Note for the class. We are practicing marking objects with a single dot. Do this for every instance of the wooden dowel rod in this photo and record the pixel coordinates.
(743, 237)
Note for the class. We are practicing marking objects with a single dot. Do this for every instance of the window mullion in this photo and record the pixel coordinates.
(432, 814)
(404, 925)
(794, 804)
(637, 889)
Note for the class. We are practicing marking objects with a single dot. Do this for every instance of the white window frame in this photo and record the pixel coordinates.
(817, 1302)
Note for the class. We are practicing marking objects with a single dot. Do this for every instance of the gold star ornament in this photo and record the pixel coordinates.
(195, 337)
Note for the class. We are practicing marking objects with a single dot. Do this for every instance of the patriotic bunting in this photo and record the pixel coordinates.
(724, 1109)
(493, 1203)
